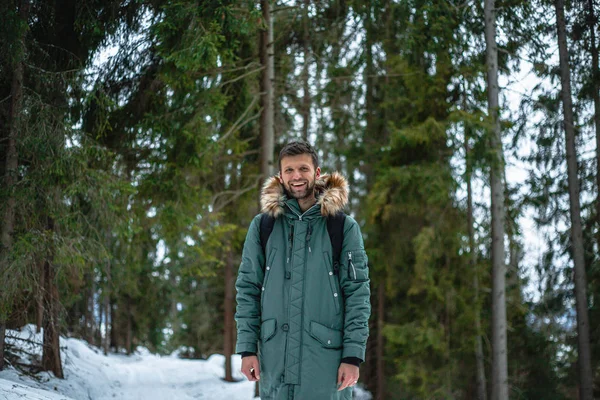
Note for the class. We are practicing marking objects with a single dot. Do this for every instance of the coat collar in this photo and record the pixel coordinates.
(331, 191)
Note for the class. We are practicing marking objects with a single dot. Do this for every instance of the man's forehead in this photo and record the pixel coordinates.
(297, 161)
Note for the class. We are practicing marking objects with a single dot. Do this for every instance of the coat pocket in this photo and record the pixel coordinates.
(333, 282)
(357, 265)
(268, 329)
(328, 337)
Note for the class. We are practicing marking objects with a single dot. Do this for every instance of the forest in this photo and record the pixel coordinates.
(135, 136)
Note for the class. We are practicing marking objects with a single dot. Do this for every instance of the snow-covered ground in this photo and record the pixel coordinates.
(89, 375)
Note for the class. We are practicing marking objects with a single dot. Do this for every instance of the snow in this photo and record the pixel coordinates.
(90, 375)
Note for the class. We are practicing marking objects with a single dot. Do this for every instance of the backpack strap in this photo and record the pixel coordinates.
(335, 227)
(267, 221)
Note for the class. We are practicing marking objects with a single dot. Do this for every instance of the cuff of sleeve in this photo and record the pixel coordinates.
(246, 347)
(353, 351)
(351, 360)
(247, 354)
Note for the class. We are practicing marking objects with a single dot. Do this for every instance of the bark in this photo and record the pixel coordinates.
(583, 335)
(115, 327)
(267, 122)
(499, 357)
(380, 342)
(2, 336)
(51, 347)
(89, 310)
(228, 306)
(481, 391)
(305, 74)
(12, 159)
(40, 299)
(107, 313)
(266, 88)
(129, 333)
(596, 97)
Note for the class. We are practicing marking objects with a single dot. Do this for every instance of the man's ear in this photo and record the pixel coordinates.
(280, 178)
(318, 173)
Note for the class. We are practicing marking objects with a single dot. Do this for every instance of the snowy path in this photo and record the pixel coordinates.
(89, 375)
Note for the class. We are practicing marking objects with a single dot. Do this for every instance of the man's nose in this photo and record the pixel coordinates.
(296, 175)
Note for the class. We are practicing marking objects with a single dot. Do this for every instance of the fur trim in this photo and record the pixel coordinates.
(331, 190)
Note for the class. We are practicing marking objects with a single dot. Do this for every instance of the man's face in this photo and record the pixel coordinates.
(298, 175)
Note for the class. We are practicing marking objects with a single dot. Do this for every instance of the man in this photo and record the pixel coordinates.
(302, 322)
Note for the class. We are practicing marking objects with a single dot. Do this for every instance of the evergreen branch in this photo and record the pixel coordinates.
(238, 124)
(237, 78)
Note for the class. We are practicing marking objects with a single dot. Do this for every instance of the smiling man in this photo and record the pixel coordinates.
(303, 286)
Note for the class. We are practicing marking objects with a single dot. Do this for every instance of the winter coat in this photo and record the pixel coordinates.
(299, 315)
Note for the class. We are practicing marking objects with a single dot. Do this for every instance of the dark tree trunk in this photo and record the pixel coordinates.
(40, 298)
(228, 306)
(583, 328)
(89, 309)
(596, 97)
(107, 313)
(380, 342)
(480, 372)
(12, 159)
(129, 334)
(305, 73)
(116, 329)
(51, 346)
(267, 123)
(2, 336)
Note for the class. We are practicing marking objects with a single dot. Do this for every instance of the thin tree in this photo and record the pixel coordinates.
(266, 89)
(305, 72)
(499, 357)
(267, 122)
(228, 305)
(12, 156)
(591, 20)
(583, 329)
(51, 360)
(480, 375)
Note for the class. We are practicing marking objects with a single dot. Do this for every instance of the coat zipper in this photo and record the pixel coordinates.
(350, 263)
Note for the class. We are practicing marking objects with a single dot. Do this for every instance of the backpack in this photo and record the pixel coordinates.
(335, 228)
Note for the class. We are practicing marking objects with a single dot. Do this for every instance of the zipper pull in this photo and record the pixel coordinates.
(351, 264)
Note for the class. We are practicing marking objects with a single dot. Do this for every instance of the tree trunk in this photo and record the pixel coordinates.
(107, 313)
(499, 357)
(51, 346)
(129, 333)
(596, 97)
(306, 74)
(480, 371)
(228, 306)
(266, 88)
(380, 342)
(12, 158)
(116, 331)
(89, 310)
(583, 335)
(40, 298)
(267, 123)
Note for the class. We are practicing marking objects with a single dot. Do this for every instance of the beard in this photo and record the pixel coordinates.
(304, 192)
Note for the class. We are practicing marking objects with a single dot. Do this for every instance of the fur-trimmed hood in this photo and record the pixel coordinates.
(331, 192)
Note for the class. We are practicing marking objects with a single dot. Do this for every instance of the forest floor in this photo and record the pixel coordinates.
(90, 375)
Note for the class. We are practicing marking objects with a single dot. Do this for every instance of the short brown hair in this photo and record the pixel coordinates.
(296, 148)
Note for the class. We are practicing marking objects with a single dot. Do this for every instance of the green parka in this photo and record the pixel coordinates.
(293, 309)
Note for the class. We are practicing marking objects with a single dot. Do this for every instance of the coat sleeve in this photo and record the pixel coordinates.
(248, 285)
(354, 279)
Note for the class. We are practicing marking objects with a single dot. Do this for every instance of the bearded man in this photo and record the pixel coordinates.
(302, 310)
